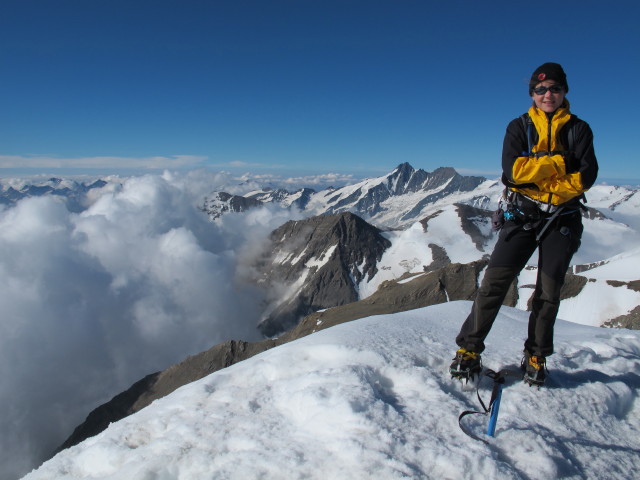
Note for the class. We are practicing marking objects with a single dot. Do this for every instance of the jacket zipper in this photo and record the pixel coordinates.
(549, 122)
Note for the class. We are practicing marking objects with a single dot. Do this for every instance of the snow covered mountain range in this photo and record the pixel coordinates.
(431, 220)
(73, 192)
(395, 200)
(418, 220)
(423, 220)
(401, 241)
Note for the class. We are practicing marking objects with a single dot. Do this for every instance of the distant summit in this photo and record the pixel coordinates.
(220, 203)
(321, 260)
(72, 192)
(395, 200)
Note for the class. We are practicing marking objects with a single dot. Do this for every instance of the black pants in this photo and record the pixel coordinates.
(516, 244)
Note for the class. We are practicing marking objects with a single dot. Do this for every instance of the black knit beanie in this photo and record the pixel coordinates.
(548, 71)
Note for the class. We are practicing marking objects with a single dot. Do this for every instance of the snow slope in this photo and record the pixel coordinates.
(372, 399)
(611, 245)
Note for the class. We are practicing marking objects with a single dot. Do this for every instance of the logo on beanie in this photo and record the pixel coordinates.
(542, 76)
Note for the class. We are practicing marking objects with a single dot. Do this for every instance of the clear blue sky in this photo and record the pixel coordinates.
(292, 87)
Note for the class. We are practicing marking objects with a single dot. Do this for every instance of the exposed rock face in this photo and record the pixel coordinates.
(440, 258)
(220, 203)
(425, 221)
(631, 320)
(299, 198)
(453, 282)
(319, 261)
(573, 285)
(368, 198)
(404, 179)
(632, 285)
(443, 182)
(470, 218)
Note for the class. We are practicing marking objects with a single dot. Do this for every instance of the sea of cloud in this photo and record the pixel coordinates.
(93, 301)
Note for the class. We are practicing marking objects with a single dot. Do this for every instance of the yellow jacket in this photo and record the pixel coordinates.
(549, 173)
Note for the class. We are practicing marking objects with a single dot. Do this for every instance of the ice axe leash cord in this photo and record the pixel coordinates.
(494, 403)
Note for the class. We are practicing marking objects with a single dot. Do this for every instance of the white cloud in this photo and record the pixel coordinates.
(91, 302)
(489, 173)
(111, 162)
(328, 179)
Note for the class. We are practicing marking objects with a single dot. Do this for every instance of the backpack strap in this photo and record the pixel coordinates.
(527, 123)
(571, 136)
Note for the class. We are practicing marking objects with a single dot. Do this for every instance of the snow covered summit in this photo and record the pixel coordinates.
(372, 399)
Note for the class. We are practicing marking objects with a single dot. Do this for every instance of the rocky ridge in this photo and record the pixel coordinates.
(319, 263)
(219, 203)
(72, 192)
(392, 201)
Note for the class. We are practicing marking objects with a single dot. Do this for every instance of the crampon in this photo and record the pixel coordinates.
(466, 365)
(535, 369)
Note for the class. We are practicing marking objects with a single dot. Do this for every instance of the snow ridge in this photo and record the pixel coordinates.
(371, 399)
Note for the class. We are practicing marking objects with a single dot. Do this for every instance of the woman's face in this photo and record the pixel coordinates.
(549, 101)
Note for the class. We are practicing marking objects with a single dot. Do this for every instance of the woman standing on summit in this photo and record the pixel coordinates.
(548, 162)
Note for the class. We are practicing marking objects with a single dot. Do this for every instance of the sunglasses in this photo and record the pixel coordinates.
(552, 89)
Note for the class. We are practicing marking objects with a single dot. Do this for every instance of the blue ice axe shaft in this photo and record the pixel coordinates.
(495, 407)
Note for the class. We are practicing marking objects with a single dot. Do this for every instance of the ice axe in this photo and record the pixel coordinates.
(494, 403)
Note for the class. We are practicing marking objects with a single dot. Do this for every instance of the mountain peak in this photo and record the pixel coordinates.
(404, 167)
(321, 259)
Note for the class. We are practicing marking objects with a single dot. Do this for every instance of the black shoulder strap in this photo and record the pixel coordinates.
(527, 123)
(571, 135)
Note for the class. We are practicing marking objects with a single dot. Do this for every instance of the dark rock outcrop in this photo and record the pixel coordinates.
(299, 198)
(332, 254)
(220, 203)
(471, 218)
(630, 320)
(439, 256)
(453, 282)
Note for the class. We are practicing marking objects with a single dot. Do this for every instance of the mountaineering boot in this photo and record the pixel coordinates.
(465, 364)
(534, 368)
